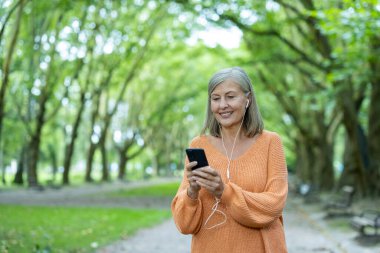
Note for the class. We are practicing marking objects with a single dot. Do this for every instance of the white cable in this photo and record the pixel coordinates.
(229, 158)
(214, 210)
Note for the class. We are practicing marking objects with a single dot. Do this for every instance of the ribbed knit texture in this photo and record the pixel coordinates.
(253, 201)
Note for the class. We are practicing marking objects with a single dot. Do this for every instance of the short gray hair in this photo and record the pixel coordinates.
(253, 123)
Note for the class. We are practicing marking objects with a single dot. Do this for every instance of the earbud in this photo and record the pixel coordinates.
(246, 106)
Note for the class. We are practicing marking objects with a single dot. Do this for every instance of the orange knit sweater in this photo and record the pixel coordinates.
(253, 201)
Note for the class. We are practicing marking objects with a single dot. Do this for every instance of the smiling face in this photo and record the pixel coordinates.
(228, 103)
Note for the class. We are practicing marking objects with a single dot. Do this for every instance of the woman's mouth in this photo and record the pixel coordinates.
(225, 114)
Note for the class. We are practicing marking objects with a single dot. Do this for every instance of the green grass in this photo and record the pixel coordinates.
(162, 190)
(62, 229)
(340, 223)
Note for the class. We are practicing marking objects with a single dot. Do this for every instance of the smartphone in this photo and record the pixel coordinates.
(197, 154)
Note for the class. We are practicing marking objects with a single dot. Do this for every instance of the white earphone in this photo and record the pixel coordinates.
(229, 158)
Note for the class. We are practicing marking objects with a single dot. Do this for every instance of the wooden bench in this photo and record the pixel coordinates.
(367, 221)
(342, 205)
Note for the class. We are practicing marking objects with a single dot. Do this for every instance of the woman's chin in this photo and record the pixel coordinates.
(226, 124)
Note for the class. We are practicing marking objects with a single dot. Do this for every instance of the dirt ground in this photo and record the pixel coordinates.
(306, 228)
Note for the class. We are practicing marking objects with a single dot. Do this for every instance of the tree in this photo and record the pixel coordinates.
(6, 69)
(297, 36)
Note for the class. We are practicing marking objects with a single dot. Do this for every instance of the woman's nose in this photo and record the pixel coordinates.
(223, 103)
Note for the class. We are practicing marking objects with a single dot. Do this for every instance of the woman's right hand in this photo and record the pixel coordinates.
(194, 187)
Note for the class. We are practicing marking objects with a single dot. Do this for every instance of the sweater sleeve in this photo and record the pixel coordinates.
(260, 209)
(187, 212)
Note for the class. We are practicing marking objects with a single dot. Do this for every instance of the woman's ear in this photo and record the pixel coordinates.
(247, 104)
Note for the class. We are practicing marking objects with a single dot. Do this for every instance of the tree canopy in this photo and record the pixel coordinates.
(104, 89)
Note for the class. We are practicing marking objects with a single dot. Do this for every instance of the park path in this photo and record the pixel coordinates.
(305, 232)
(163, 238)
(305, 227)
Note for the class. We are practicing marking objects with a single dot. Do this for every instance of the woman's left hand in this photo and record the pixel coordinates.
(209, 179)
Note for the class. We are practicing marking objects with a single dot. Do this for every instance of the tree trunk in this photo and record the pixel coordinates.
(93, 146)
(351, 124)
(351, 175)
(374, 118)
(35, 141)
(54, 162)
(69, 149)
(71, 145)
(301, 164)
(324, 155)
(2, 167)
(125, 156)
(127, 80)
(105, 170)
(154, 164)
(46, 94)
(311, 172)
(314, 164)
(6, 67)
(123, 159)
(90, 159)
(33, 149)
(159, 164)
(324, 159)
(348, 174)
(21, 163)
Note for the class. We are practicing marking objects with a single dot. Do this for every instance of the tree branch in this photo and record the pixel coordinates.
(7, 19)
(137, 152)
(277, 35)
(135, 66)
(288, 108)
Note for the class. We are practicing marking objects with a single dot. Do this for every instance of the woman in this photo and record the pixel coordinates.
(236, 203)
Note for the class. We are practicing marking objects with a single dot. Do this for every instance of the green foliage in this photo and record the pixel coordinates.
(59, 229)
(302, 56)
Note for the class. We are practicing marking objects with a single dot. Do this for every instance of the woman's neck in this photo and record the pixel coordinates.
(229, 134)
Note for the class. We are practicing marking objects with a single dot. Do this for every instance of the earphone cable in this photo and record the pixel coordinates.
(217, 200)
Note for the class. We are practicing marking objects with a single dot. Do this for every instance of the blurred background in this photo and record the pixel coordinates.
(99, 99)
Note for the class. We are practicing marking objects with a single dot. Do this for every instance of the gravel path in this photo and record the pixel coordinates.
(163, 238)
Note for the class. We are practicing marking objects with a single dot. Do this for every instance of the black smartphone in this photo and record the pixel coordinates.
(197, 154)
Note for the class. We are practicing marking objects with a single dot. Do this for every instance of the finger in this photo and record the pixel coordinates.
(209, 170)
(189, 166)
(193, 179)
(206, 174)
(209, 183)
(206, 185)
(201, 174)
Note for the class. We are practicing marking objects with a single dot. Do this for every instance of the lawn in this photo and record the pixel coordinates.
(161, 190)
(62, 229)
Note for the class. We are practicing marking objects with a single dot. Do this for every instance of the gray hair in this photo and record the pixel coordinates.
(253, 123)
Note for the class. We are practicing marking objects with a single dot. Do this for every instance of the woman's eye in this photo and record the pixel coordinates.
(231, 97)
(215, 99)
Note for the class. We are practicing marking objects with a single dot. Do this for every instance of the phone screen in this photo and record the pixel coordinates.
(197, 154)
